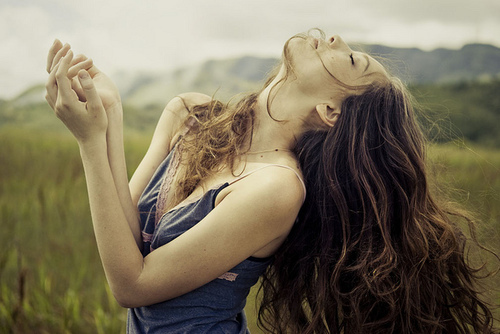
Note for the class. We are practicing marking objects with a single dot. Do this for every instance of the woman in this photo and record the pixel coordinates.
(220, 199)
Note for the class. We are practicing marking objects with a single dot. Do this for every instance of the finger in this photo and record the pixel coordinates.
(93, 71)
(56, 46)
(78, 59)
(75, 68)
(94, 103)
(77, 87)
(64, 90)
(61, 53)
(51, 88)
(73, 72)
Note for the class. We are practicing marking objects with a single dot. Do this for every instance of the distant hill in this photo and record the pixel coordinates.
(145, 94)
(228, 77)
(477, 62)
(471, 62)
(225, 78)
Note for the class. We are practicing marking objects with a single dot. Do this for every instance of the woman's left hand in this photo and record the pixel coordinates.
(86, 120)
(108, 92)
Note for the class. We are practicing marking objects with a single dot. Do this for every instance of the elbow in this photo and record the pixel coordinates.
(131, 298)
(124, 301)
(125, 297)
(136, 293)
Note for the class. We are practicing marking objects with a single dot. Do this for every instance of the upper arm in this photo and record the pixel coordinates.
(248, 218)
(169, 124)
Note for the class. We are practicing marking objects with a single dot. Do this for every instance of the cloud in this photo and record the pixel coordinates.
(23, 34)
(445, 11)
(155, 35)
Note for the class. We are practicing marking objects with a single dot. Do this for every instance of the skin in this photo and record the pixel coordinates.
(88, 103)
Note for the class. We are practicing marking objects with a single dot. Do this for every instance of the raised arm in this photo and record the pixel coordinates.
(216, 244)
(170, 122)
(111, 101)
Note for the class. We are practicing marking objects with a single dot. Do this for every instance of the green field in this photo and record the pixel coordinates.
(51, 280)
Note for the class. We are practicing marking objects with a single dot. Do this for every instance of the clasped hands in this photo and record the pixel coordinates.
(80, 94)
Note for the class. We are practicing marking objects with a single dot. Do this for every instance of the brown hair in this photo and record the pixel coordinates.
(372, 251)
(220, 133)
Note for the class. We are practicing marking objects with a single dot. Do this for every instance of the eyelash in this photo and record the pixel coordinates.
(352, 58)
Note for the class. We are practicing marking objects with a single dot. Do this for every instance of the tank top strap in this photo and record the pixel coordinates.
(272, 165)
(189, 124)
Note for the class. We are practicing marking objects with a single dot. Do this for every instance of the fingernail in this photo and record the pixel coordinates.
(83, 74)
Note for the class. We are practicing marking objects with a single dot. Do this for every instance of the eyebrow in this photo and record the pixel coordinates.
(367, 63)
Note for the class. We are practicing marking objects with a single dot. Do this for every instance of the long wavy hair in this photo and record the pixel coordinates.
(372, 251)
(219, 133)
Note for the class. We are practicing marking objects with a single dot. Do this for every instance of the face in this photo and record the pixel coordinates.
(324, 66)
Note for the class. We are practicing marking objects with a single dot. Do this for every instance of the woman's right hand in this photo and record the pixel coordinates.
(107, 90)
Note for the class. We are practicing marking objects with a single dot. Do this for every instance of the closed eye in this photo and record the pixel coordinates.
(352, 59)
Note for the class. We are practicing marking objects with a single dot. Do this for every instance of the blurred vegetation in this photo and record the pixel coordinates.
(467, 111)
(464, 111)
(51, 280)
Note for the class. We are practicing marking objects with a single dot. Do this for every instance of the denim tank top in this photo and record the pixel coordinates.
(216, 307)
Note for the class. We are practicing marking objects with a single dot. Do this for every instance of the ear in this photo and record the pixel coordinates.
(328, 113)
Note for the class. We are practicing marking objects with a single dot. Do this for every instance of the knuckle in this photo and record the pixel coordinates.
(65, 105)
(87, 85)
(61, 106)
(58, 107)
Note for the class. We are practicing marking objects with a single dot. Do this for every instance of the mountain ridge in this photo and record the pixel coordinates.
(461, 83)
(228, 77)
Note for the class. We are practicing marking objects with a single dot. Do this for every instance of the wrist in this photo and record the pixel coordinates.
(115, 112)
(115, 108)
(93, 144)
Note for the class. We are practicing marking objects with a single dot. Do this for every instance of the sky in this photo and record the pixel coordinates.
(158, 35)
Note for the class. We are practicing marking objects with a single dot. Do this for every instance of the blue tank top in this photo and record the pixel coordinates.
(216, 307)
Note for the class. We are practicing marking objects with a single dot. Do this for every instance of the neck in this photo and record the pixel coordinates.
(270, 134)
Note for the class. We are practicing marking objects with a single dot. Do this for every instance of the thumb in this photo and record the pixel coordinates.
(94, 103)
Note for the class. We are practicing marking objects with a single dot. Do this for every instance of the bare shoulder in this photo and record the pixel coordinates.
(192, 99)
(280, 180)
(177, 110)
(180, 104)
(274, 192)
(281, 186)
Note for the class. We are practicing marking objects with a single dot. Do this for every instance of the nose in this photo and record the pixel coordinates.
(336, 41)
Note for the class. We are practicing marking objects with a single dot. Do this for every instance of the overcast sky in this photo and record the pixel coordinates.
(155, 35)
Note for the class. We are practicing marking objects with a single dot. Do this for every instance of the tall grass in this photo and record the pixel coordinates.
(51, 280)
